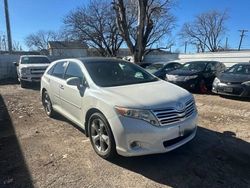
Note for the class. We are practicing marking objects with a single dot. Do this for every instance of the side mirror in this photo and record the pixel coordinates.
(16, 64)
(75, 81)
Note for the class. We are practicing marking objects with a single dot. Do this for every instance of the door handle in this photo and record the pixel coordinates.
(61, 87)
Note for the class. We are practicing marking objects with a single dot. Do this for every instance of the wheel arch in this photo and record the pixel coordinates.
(87, 116)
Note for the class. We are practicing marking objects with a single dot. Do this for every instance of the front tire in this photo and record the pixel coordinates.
(47, 104)
(101, 136)
(23, 84)
(202, 87)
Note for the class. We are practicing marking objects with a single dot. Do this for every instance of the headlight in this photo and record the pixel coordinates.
(246, 83)
(145, 115)
(216, 81)
(24, 71)
(190, 77)
(166, 77)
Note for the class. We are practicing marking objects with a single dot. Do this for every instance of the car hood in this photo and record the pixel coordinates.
(182, 72)
(34, 65)
(233, 78)
(153, 95)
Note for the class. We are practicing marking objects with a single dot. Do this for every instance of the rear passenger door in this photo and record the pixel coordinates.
(55, 81)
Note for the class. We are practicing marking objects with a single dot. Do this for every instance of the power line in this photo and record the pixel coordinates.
(243, 31)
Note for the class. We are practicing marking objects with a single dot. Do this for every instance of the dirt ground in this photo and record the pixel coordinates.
(36, 151)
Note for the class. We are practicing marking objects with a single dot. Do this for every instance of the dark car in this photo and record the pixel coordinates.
(196, 76)
(144, 65)
(160, 69)
(235, 81)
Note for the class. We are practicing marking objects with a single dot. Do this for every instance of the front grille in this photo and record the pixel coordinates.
(230, 83)
(37, 71)
(172, 115)
(235, 91)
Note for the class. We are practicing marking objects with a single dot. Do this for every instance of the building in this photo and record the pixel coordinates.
(67, 49)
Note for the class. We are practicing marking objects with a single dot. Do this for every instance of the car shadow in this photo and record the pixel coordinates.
(13, 168)
(8, 81)
(212, 159)
(33, 86)
(59, 117)
(245, 99)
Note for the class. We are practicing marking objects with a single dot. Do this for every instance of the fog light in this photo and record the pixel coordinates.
(135, 145)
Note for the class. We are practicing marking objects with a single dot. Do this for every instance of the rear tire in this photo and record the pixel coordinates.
(101, 136)
(47, 104)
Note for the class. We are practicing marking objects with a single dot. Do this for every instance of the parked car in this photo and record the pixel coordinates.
(160, 69)
(144, 65)
(30, 68)
(235, 81)
(196, 76)
(112, 101)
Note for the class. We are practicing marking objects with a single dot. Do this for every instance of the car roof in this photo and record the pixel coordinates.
(99, 59)
(33, 56)
(165, 62)
(203, 61)
(243, 63)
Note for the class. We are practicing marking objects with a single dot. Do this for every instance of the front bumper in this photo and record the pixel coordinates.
(190, 85)
(135, 137)
(239, 90)
(31, 78)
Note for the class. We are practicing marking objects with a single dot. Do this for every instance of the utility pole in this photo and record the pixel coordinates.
(243, 31)
(185, 47)
(226, 46)
(7, 18)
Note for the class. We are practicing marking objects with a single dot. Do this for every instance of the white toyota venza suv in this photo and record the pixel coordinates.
(122, 108)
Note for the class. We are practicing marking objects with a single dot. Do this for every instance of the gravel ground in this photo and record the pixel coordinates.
(36, 151)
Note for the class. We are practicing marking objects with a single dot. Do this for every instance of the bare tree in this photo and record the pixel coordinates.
(39, 40)
(17, 46)
(206, 31)
(95, 24)
(143, 23)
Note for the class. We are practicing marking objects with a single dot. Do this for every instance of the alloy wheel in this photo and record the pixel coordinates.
(47, 103)
(99, 136)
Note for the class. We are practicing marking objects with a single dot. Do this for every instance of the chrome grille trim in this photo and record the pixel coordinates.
(37, 70)
(171, 115)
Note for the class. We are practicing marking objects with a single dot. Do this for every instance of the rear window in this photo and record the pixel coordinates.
(35, 60)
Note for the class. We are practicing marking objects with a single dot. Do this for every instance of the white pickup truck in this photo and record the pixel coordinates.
(30, 68)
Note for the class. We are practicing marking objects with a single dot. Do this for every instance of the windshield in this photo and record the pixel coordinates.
(239, 69)
(35, 60)
(194, 66)
(117, 73)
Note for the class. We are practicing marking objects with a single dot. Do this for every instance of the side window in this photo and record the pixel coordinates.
(219, 67)
(210, 67)
(172, 66)
(58, 70)
(169, 66)
(73, 70)
(177, 65)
